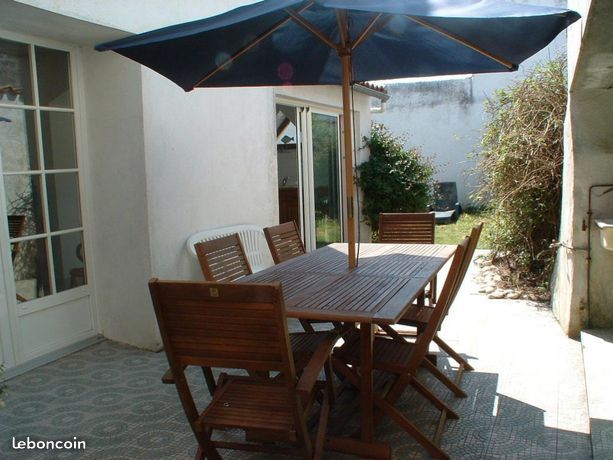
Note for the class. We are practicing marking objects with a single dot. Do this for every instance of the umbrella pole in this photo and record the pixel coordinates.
(346, 68)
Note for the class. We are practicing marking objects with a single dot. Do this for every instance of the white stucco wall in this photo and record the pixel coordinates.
(210, 158)
(120, 258)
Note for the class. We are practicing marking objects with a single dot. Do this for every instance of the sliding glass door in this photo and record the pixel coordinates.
(326, 180)
(308, 166)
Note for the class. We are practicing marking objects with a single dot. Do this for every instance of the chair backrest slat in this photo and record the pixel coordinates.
(227, 325)
(406, 228)
(223, 259)
(284, 241)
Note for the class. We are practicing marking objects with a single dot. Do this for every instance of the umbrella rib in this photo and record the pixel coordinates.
(341, 19)
(251, 45)
(371, 28)
(464, 42)
(311, 28)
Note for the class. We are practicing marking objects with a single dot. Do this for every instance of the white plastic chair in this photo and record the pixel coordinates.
(251, 236)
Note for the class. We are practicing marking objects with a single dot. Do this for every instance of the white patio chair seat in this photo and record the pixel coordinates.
(252, 237)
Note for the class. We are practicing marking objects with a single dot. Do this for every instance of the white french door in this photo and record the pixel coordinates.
(45, 292)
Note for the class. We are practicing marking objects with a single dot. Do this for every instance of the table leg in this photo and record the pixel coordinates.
(366, 381)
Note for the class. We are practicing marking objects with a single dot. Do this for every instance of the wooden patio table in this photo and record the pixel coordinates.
(388, 278)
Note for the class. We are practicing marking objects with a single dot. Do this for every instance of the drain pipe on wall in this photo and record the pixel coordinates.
(588, 227)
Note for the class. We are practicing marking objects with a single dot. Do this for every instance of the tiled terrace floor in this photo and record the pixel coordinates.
(526, 396)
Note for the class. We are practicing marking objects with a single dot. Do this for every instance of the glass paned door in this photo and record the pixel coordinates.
(326, 178)
(40, 172)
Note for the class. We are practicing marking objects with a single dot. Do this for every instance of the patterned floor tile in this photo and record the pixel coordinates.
(110, 396)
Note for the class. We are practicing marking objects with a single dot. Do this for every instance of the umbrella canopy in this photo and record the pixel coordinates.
(330, 42)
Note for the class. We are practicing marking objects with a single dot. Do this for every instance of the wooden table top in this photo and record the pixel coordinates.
(389, 277)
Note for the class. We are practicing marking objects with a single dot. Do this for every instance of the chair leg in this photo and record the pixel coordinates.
(426, 393)
(304, 440)
(209, 379)
(168, 378)
(330, 390)
(321, 429)
(451, 352)
(443, 378)
(346, 372)
(208, 449)
(410, 428)
(421, 299)
(433, 291)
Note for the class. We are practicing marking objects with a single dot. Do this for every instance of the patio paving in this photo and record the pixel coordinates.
(526, 397)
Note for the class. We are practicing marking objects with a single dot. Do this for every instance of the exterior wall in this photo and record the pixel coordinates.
(444, 119)
(210, 163)
(121, 259)
(588, 161)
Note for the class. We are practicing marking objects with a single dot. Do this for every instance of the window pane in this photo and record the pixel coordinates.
(31, 270)
(18, 140)
(15, 80)
(68, 261)
(23, 198)
(64, 203)
(52, 68)
(59, 148)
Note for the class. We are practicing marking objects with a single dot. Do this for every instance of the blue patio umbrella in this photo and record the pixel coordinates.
(339, 42)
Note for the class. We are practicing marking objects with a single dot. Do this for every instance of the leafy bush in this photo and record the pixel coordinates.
(521, 168)
(393, 179)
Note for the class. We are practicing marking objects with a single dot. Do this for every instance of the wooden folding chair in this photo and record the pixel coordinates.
(403, 359)
(241, 326)
(419, 316)
(409, 228)
(223, 260)
(285, 243)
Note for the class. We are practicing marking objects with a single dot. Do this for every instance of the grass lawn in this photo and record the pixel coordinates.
(453, 233)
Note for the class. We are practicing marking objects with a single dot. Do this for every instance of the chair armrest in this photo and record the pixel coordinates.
(315, 365)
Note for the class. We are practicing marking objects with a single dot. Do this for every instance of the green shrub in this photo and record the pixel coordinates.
(393, 179)
(521, 168)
